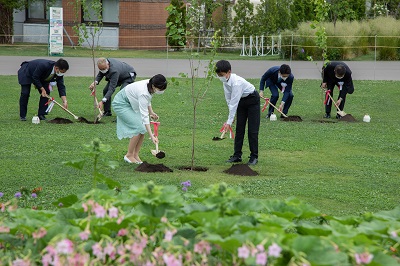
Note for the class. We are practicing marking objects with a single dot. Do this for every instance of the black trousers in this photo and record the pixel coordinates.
(274, 99)
(248, 111)
(107, 104)
(24, 99)
(328, 105)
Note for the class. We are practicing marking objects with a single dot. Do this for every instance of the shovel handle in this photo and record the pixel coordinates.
(157, 147)
(277, 108)
(337, 107)
(65, 109)
(223, 134)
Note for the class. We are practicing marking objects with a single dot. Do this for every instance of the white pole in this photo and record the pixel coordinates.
(243, 53)
(262, 45)
(251, 46)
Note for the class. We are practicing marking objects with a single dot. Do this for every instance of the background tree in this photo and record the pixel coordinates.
(346, 10)
(176, 24)
(244, 19)
(89, 32)
(265, 20)
(301, 11)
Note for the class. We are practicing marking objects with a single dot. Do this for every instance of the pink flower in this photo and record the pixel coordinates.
(84, 235)
(99, 211)
(164, 219)
(260, 247)
(39, 234)
(363, 258)
(243, 252)
(98, 251)
(169, 234)
(65, 246)
(120, 219)
(274, 250)
(4, 229)
(21, 262)
(122, 232)
(393, 234)
(136, 249)
(113, 212)
(110, 250)
(202, 246)
(261, 258)
(170, 260)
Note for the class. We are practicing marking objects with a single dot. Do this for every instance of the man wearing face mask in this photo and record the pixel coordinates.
(278, 78)
(243, 101)
(43, 74)
(117, 73)
(336, 74)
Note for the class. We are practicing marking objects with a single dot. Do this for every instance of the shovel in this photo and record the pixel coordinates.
(100, 115)
(157, 153)
(339, 112)
(65, 109)
(220, 138)
(266, 99)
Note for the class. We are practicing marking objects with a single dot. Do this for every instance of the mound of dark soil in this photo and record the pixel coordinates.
(348, 118)
(292, 118)
(241, 169)
(152, 168)
(59, 120)
(160, 155)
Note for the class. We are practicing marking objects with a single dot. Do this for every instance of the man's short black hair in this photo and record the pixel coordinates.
(62, 64)
(340, 70)
(285, 69)
(222, 66)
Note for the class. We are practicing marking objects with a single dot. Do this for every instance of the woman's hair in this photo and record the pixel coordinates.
(158, 81)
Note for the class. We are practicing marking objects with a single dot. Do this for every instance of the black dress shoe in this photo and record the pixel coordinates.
(42, 117)
(108, 113)
(22, 118)
(252, 161)
(234, 159)
(327, 116)
(338, 117)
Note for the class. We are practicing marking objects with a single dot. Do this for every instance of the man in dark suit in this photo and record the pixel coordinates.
(278, 78)
(43, 74)
(336, 73)
(117, 73)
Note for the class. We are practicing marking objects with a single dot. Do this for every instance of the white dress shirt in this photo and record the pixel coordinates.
(139, 98)
(235, 89)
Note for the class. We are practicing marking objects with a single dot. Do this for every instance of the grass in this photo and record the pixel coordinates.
(40, 50)
(340, 168)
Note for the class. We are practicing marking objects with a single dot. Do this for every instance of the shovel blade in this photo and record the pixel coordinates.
(341, 113)
(154, 152)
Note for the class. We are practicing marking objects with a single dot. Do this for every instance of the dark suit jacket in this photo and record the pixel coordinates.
(270, 78)
(331, 80)
(36, 71)
(116, 74)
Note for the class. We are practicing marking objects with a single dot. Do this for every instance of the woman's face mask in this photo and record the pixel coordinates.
(158, 92)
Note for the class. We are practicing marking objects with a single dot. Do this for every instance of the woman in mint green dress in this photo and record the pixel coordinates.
(132, 105)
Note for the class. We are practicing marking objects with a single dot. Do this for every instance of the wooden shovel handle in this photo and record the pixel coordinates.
(223, 134)
(337, 107)
(277, 109)
(65, 109)
(157, 147)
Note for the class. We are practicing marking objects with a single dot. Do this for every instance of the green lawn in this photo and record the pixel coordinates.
(340, 168)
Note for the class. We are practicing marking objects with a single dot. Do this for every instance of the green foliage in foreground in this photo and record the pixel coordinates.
(340, 168)
(158, 225)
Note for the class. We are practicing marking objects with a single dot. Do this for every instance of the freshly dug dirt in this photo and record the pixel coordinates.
(59, 120)
(293, 118)
(348, 118)
(196, 168)
(160, 155)
(217, 138)
(241, 169)
(152, 168)
(84, 120)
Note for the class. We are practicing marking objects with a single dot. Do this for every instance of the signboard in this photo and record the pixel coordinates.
(56, 31)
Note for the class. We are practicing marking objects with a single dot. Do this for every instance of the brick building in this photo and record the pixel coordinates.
(138, 24)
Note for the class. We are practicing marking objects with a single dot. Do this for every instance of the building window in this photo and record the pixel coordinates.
(110, 13)
(38, 11)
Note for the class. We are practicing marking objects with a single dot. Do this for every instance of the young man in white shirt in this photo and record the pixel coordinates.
(243, 101)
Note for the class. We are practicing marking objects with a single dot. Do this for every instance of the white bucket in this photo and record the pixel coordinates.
(272, 117)
(367, 118)
(35, 120)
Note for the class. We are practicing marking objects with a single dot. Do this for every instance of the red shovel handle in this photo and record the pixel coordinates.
(155, 125)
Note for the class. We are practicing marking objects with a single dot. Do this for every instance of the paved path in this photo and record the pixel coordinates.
(362, 70)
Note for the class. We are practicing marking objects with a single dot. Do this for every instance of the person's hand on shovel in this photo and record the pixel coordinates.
(43, 93)
(338, 102)
(280, 108)
(154, 139)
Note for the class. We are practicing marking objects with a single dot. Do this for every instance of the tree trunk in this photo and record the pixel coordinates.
(6, 24)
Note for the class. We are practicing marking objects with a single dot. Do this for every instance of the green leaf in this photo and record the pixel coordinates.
(66, 201)
(78, 164)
